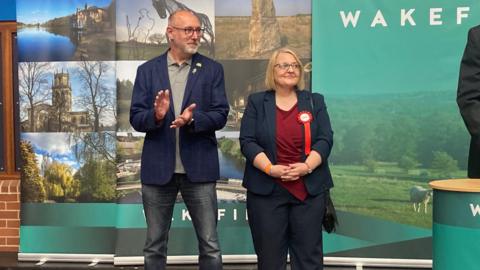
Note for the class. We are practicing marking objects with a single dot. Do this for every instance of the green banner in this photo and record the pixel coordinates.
(389, 73)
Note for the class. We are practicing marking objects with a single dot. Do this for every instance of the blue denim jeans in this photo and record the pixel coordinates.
(201, 202)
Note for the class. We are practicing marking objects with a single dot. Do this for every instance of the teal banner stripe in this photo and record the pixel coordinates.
(52, 239)
(377, 231)
(455, 247)
(460, 209)
(352, 226)
(130, 216)
(354, 231)
(69, 214)
(237, 239)
(230, 215)
(336, 242)
(183, 241)
(233, 241)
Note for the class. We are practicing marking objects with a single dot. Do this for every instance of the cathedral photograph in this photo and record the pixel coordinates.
(67, 97)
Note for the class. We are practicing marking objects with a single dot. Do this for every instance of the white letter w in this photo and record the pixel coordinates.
(349, 18)
(475, 209)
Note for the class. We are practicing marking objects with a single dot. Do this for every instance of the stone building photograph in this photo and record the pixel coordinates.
(67, 97)
(91, 18)
(69, 30)
(57, 116)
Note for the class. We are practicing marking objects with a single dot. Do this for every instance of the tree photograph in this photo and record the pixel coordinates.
(33, 87)
(97, 95)
(68, 167)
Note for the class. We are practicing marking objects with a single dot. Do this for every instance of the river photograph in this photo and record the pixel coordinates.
(66, 31)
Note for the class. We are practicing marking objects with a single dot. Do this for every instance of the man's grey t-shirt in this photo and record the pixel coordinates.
(178, 75)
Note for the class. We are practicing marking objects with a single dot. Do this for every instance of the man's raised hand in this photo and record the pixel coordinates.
(185, 117)
(161, 104)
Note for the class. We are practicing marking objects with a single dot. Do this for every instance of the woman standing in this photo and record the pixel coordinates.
(286, 138)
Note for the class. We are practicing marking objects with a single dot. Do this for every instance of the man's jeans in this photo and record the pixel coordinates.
(201, 202)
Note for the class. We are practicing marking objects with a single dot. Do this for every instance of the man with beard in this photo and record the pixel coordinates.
(468, 97)
(179, 100)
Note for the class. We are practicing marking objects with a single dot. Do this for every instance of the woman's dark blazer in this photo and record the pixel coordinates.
(258, 134)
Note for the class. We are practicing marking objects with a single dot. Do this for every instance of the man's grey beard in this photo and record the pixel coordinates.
(191, 50)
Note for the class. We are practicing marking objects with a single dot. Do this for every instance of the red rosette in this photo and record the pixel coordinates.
(305, 117)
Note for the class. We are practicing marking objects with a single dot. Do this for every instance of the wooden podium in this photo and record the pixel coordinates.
(456, 224)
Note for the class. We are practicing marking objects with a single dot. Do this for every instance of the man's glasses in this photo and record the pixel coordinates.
(189, 30)
(286, 66)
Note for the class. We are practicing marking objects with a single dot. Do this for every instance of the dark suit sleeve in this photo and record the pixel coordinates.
(468, 95)
(142, 114)
(248, 142)
(215, 117)
(323, 141)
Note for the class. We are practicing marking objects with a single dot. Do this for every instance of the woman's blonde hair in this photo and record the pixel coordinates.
(270, 73)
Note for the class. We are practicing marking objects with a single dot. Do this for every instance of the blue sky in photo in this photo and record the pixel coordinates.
(77, 88)
(72, 67)
(36, 11)
(282, 7)
(55, 145)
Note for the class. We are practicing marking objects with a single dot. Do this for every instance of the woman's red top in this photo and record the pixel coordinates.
(289, 140)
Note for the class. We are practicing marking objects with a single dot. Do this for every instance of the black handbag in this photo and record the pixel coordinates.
(330, 220)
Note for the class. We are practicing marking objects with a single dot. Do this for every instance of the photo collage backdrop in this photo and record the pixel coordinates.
(77, 64)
